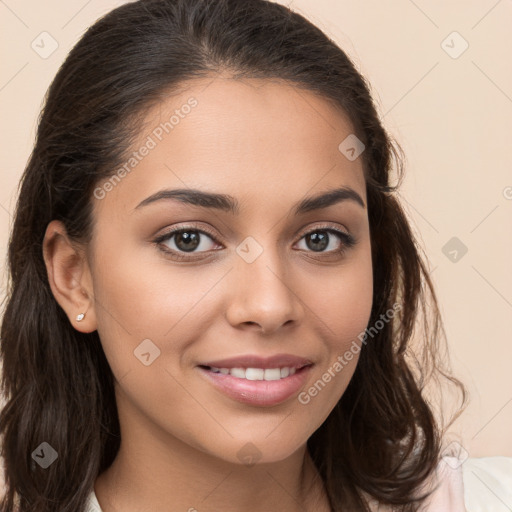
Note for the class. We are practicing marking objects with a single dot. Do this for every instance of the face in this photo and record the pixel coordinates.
(187, 287)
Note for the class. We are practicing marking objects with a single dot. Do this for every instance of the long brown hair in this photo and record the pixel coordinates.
(382, 440)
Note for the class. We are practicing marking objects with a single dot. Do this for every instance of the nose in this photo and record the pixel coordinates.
(263, 295)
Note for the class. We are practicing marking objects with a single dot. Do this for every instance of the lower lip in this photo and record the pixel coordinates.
(258, 392)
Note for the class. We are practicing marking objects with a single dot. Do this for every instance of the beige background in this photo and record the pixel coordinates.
(450, 110)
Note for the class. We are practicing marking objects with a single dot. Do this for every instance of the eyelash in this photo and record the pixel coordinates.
(348, 241)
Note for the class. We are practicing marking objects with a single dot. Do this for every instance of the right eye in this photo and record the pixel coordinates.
(184, 240)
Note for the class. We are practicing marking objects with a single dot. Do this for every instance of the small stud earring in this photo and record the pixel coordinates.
(80, 317)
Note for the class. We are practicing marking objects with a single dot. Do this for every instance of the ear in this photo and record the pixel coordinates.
(69, 276)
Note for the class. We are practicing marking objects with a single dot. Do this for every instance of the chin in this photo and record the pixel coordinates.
(261, 450)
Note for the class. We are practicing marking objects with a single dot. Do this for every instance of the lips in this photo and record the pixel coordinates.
(254, 380)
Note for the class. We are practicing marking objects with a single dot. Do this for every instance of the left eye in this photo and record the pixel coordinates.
(320, 239)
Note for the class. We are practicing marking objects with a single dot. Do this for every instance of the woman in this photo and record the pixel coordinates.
(213, 285)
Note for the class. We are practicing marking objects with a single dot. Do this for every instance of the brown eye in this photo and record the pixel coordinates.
(320, 239)
(185, 240)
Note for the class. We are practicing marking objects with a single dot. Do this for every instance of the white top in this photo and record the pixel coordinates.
(475, 485)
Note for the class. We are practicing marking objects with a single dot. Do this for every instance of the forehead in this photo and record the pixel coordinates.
(249, 138)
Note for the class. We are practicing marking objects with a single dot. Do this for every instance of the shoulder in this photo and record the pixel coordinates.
(487, 484)
(448, 483)
(470, 485)
(92, 503)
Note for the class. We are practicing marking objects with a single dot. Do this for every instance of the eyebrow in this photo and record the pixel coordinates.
(227, 203)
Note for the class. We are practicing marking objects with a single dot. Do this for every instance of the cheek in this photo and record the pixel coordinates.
(146, 319)
(138, 297)
(342, 304)
(128, 304)
(342, 300)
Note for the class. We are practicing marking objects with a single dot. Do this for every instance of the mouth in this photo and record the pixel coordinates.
(267, 374)
(268, 383)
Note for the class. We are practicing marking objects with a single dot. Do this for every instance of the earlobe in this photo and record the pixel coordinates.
(69, 277)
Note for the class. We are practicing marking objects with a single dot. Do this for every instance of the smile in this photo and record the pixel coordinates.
(256, 373)
(257, 386)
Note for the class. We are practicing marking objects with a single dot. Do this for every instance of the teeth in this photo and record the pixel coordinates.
(272, 374)
(238, 372)
(256, 373)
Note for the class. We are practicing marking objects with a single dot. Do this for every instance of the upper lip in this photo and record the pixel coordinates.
(255, 361)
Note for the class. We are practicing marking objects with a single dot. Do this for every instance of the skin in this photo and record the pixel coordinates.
(269, 145)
